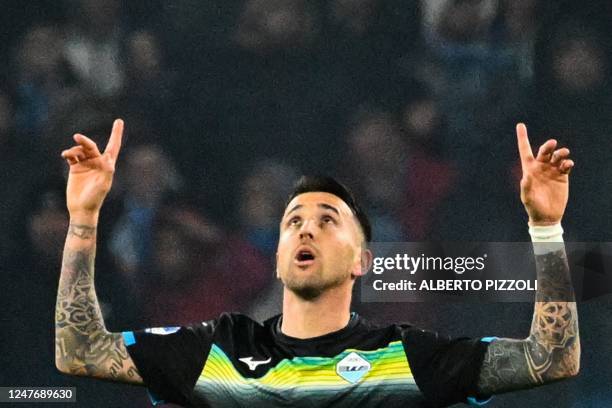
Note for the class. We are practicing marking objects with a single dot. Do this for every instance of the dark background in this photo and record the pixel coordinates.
(412, 104)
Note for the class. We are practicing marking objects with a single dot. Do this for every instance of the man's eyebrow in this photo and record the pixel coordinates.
(297, 207)
(321, 205)
(329, 207)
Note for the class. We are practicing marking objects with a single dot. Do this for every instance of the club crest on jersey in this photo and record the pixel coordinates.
(353, 367)
(162, 330)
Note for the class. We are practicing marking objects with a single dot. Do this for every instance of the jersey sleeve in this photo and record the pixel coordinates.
(170, 359)
(445, 369)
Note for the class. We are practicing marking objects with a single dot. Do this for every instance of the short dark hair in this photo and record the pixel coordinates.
(309, 184)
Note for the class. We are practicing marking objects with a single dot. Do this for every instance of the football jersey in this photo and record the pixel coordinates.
(234, 361)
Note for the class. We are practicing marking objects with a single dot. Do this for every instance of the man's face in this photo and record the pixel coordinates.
(320, 244)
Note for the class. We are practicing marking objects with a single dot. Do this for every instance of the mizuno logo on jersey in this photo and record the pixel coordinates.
(254, 363)
(353, 367)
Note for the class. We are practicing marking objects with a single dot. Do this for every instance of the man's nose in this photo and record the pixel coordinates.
(306, 231)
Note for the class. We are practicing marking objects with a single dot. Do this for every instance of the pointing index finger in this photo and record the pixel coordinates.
(524, 147)
(114, 142)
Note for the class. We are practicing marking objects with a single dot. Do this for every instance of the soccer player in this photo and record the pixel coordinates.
(317, 353)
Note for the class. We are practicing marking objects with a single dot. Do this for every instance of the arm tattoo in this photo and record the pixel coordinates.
(82, 231)
(552, 350)
(83, 345)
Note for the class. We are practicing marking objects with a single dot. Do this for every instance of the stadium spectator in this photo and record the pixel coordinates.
(42, 78)
(93, 46)
(192, 256)
(378, 164)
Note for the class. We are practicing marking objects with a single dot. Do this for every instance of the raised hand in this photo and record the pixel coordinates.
(91, 172)
(545, 181)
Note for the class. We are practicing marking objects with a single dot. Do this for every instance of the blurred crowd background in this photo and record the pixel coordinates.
(410, 103)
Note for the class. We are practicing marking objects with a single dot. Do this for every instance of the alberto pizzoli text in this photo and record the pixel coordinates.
(457, 285)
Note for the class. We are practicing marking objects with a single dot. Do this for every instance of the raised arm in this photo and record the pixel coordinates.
(552, 349)
(83, 346)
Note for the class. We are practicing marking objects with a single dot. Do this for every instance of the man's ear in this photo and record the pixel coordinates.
(365, 263)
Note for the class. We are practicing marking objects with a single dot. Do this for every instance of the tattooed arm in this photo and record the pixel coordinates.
(552, 350)
(83, 345)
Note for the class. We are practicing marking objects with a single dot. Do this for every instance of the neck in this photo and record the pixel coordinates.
(327, 313)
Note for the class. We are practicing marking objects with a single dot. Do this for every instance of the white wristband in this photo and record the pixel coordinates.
(546, 239)
(548, 233)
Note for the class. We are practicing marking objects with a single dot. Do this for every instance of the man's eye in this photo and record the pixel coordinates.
(328, 219)
(294, 221)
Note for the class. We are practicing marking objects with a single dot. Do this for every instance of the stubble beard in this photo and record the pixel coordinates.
(311, 287)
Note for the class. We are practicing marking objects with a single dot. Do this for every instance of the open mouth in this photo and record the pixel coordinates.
(304, 256)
